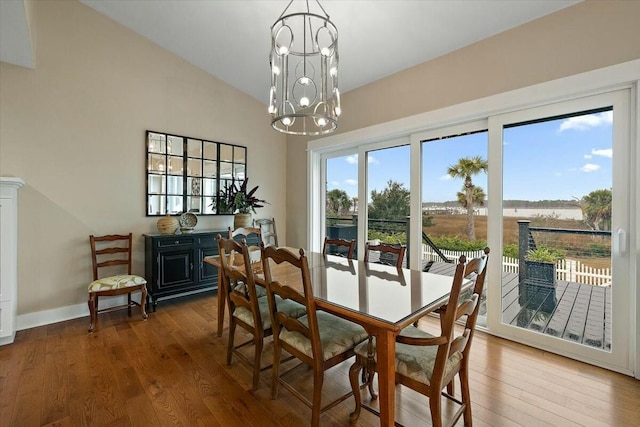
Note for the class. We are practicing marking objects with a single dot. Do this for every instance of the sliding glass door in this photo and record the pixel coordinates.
(564, 195)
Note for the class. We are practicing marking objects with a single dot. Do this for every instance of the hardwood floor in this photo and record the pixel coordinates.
(171, 371)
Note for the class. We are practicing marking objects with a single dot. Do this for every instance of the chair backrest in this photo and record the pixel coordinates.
(279, 320)
(350, 245)
(110, 250)
(396, 252)
(268, 228)
(447, 323)
(471, 307)
(239, 280)
(252, 235)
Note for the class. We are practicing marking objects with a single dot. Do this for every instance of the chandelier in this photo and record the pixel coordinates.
(304, 98)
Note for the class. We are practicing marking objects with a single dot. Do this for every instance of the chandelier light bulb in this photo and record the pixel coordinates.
(322, 122)
(276, 70)
(304, 101)
(286, 121)
(338, 111)
(333, 71)
(283, 50)
(325, 51)
(272, 109)
(304, 80)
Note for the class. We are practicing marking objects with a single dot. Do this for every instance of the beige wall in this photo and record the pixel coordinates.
(74, 130)
(587, 36)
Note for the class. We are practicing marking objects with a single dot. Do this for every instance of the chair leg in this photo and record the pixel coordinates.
(355, 387)
(451, 389)
(435, 405)
(143, 302)
(318, 380)
(232, 333)
(129, 304)
(257, 361)
(93, 302)
(466, 396)
(275, 369)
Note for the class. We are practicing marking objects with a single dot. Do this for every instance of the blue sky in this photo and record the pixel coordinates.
(558, 159)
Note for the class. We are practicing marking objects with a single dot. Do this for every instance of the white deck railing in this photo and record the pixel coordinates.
(570, 270)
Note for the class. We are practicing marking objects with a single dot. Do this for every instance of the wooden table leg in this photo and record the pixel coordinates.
(221, 303)
(386, 350)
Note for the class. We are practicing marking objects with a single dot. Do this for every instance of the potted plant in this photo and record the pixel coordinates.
(236, 199)
(540, 264)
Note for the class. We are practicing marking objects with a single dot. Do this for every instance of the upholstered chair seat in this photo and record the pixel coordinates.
(116, 282)
(292, 309)
(336, 335)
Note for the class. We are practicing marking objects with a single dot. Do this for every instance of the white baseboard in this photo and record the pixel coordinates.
(47, 317)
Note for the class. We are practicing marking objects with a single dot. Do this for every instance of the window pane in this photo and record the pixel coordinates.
(341, 200)
(210, 169)
(226, 170)
(194, 204)
(226, 153)
(388, 194)
(194, 167)
(156, 205)
(210, 150)
(174, 185)
(157, 163)
(156, 184)
(175, 205)
(239, 155)
(239, 172)
(174, 166)
(194, 148)
(454, 220)
(208, 187)
(157, 143)
(174, 145)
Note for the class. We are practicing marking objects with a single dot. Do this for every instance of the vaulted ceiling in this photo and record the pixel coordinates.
(231, 39)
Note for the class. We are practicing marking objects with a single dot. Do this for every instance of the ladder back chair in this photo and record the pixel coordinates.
(268, 228)
(395, 253)
(246, 308)
(332, 246)
(112, 253)
(319, 339)
(427, 363)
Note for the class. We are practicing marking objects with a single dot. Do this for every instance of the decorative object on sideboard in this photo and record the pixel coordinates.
(167, 224)
(236, 199)
(304, 98)
(188, 221)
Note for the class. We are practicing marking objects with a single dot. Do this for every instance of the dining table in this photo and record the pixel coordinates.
(383, 299)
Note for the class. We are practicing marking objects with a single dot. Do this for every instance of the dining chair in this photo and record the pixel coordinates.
(427, 363)
(112, 253)
(268, 228)
(253, 237)
(395, 253)
(333, 246)
(246, 308)
(319, 339)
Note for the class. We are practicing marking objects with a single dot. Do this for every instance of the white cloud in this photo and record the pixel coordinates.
(588, 156)
(587, 122)
(352, 182)
(334, 183)
(590, 167)
(445, 178)
(353, 159)
(607, 152)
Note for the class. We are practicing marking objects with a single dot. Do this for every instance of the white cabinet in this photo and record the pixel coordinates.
(8, 257)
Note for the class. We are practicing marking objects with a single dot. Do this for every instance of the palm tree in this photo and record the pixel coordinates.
(466, 168)
(596, 209)
(337, 202)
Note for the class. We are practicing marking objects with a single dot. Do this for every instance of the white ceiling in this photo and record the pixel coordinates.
(231, 39)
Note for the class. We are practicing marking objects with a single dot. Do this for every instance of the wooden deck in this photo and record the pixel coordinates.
(571, 311)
